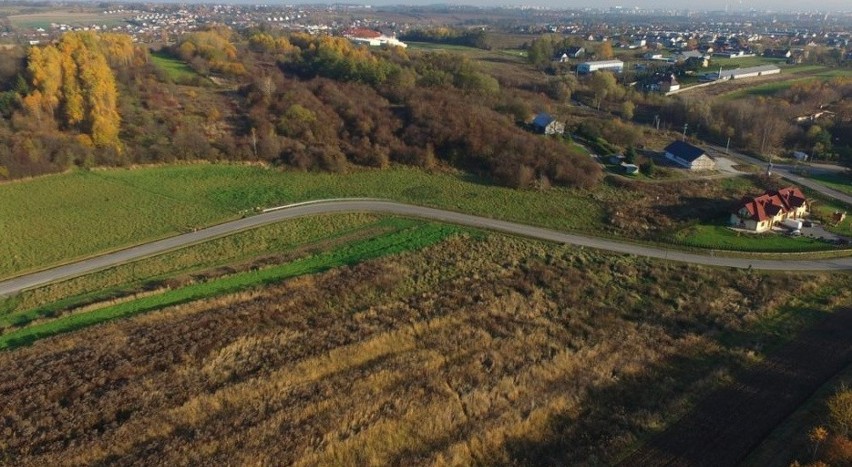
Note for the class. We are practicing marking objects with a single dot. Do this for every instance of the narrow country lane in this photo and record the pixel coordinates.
(28, 281)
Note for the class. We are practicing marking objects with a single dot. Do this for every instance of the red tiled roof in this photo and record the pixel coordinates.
(362, 33)
(769, 204)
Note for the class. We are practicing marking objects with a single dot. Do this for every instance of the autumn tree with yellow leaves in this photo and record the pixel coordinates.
(73, 84)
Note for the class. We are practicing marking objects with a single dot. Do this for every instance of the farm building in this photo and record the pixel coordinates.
(773, 207)
(616, 66)
(741, 73)
(689, 156)
(371, 38)
(544, 123)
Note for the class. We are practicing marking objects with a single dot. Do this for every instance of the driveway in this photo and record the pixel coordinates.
(725, 165)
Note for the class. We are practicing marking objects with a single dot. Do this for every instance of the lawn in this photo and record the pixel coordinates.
(58, 218)
(409, 235)
(719, 237)
(176, 69)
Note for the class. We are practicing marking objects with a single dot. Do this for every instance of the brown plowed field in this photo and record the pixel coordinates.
(729, 423)
(479, 351)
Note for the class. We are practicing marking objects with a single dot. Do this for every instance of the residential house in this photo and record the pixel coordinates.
(777, 53)
(668, 83)
(762, 212)
(630, 169)
(546, 124)
(686, 55)
(697, 62)
(689, 156)
(571, 52)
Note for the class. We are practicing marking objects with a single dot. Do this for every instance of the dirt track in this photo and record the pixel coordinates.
(727, 425)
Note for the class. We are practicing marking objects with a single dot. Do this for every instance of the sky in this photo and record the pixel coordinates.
(775, 5)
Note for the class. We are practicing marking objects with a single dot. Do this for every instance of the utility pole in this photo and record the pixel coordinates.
(685, 126)
(728, 145)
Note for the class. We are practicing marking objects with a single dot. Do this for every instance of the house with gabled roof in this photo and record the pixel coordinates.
(546, 124)
(571, 52)
(689, 156)
(760, 213)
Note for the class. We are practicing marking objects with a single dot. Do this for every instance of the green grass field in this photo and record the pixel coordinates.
(744, 62)
(837, 182)
(58, 218)
(409, 235)
(795, 75)
(437, 46)
(177, 70)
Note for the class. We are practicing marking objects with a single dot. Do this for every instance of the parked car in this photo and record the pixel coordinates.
(795, 232)
(807, 224)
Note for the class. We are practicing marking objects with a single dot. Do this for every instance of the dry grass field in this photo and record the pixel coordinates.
(480, 350)
(71, 18)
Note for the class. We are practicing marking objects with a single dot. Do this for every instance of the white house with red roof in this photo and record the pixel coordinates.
(762, 212)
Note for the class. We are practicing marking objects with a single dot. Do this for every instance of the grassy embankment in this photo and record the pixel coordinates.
(393, 236)
(835, 181)
(59, 218)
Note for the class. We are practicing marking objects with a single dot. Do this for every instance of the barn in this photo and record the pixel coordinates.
(689, 156)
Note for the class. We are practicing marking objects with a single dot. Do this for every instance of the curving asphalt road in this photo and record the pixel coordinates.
(20, 283)
(785, 171)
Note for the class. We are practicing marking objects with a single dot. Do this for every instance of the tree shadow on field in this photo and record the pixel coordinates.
(721, 428)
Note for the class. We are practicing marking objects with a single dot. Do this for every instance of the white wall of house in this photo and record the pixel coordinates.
(554, 128)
